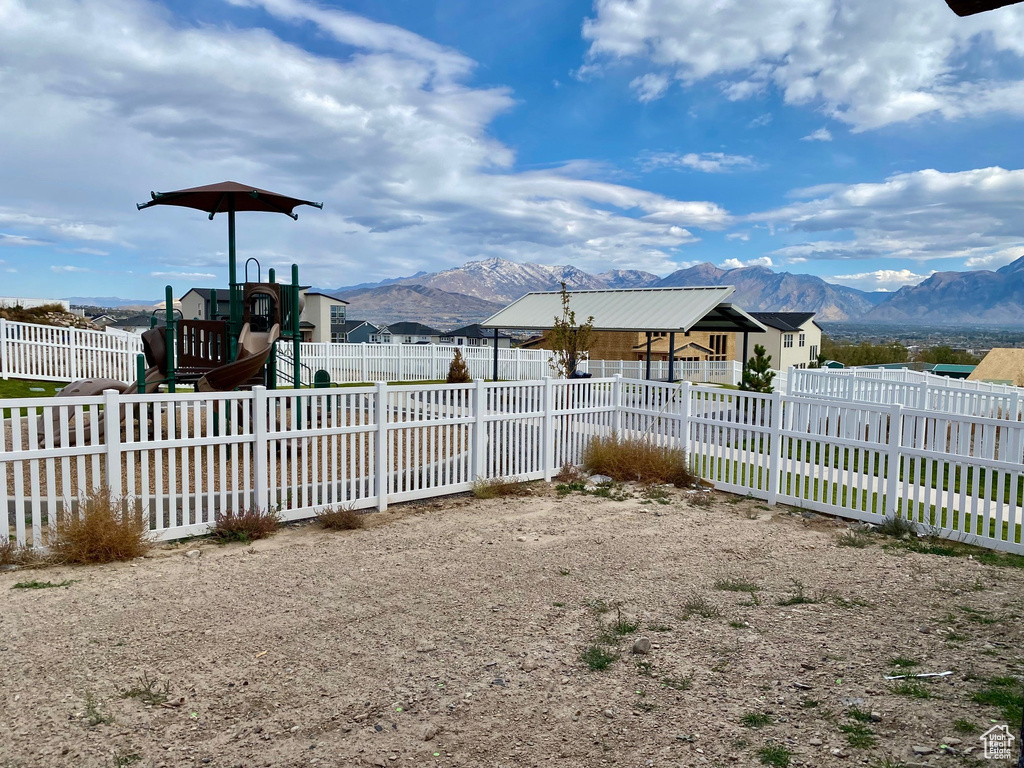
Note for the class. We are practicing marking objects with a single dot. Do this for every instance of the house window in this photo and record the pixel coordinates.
(787, 340)
(718, 343)
(814, 352)
(473, 342)
(337, 338)
(803, 339)
(408, 339)
(337, 314)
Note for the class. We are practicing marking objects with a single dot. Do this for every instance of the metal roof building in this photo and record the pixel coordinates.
(641, 310)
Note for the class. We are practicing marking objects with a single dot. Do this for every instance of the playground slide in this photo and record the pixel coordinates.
(253, 350)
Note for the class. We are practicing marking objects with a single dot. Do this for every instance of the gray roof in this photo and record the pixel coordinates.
(476, 331)
(783, 321)
(412, 329)
(691, 308)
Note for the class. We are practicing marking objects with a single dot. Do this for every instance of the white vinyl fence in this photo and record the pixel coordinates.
(910, 388)
(49, 353)
(186, 458)
(712, 372)
(348, 363)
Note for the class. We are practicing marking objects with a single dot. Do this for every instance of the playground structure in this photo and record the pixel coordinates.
(222, 353)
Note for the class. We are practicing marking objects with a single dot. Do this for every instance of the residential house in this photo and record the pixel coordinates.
(792, 339)
(406, 333)
(358, 331)
(136, 324)
(692, 346)
(475, 336)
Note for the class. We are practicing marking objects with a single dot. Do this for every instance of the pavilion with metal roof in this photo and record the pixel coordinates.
(641, 310)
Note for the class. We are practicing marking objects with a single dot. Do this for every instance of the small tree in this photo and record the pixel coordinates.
(570, 342)
(458, 371)
(758, 375)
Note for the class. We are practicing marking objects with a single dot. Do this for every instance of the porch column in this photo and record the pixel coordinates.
(648, 355)
(671, 357)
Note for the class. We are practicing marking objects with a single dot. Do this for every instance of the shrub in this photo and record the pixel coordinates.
(757, 373)
(106, 529)
(637, 460)
(897, 527)
(12, 554)
(498, 487)
(458, 371)
(340, 519)
(244, 526)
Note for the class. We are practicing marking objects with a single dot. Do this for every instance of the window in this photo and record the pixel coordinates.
(787, 340)
(408, 339)
(337, 338)
(473, 342)
(814, 352)
(803, 339)
(446, 339)
(718, 343)
(337, 314)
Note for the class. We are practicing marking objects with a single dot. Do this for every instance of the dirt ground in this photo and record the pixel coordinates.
(449, 633)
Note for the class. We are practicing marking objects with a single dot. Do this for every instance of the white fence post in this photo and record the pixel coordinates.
(72, 355)
(684, 391)
(892, 473)
(112, 440)
(3, 348)
(480, 430)
(382, 476)
(261, 448)
(400, 376)
(617, 404)
(776, 448)
(548, 432)
(364, 376)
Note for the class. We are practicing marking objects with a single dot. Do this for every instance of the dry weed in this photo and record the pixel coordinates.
(637, 460)
(497, 487)
(340, 519)
(245, 526)
(106, 529)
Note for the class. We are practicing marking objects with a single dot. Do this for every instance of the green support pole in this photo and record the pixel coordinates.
(169, 335)
(235, 311)
(296, 333)
(213, 304)
(272, 360)
(140, 373)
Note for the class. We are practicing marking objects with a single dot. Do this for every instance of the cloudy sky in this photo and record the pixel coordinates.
(871, 142)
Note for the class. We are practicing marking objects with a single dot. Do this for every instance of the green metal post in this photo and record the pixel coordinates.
(296, 333)
(169, 335)
(272, 360)
(213, 305)
(140, 373)
(235, 312)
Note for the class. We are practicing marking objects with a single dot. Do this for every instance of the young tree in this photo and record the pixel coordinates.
(758, 375)
(570, 342)
(458, 371)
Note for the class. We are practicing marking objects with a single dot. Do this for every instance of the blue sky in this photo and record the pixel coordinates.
(867, 142)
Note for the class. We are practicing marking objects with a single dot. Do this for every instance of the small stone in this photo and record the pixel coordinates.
(429, 731)
(530, 664)
(193, 553)
(951, 742)
(919, 750)
(294, 729)
(425, 648)
(803, 686)
(608, 713)
(876, 717)
(815, 742)
(598, 479)
(642, 645)
(520, 538)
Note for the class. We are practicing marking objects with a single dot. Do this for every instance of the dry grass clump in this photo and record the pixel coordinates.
(244, 526)
(340, 519)
(13, 554)
(570, 473)
(105, 529)
(498, 487)
(637, 460)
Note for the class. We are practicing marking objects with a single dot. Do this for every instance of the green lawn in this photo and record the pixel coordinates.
(24, 388)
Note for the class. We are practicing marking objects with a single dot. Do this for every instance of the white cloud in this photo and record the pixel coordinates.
(879, 279)
(706, 162)
(19, 240)
(822, 134)
(64, 268)
(910, 216)
(187, 276)
(382, 127)
(994, 260)
(744, 236)
(650, 87)
(865, 62)
(761, 261)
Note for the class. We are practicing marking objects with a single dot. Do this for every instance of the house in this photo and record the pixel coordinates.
(358, 331)
(322, 318)
(691, 346)
(953, 371)
(793, 339)
(475, 335)
(102, 321)
(1001, 365)
(136, 324)
(406, 333)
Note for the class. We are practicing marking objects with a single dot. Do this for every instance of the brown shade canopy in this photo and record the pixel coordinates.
(971, 7)
(218, 198)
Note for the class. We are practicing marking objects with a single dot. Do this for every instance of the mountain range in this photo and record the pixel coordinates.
(476, 290)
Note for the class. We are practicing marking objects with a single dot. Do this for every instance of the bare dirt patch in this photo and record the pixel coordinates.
(459, 632)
